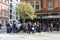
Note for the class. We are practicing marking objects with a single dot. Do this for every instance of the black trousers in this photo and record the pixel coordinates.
(9, 29)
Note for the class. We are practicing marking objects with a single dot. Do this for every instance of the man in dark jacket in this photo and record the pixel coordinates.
(29, 27)
(15, 27)
(8, 28)
(57, 26)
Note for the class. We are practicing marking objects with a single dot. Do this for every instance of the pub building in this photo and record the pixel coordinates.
(47, 11)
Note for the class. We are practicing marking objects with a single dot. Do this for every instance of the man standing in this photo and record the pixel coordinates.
(15, 27)
(57, 26)
(51, 28)
(29, 27)
(8, 27)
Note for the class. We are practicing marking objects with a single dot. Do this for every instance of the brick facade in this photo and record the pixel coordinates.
(44, 3)
(46, 8)
(4, 11)
(56, 3)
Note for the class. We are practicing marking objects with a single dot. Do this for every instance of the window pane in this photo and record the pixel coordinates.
(37, 6)
(10, 16)
(2, 13)
(31, 2)
(10, 11)
(16, 18)
(17, 13)
(36, 2)
(11, 0)
(13, 17)
(59, 0)
(50, 3)
(2, 21)
(59, 3)
(10, 6)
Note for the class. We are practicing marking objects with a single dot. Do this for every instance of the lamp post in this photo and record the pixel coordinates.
(41, 17)
(42, 13)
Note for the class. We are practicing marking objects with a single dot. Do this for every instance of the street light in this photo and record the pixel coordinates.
(42, 14)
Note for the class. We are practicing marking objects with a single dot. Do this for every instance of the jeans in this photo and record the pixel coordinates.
(15, 30)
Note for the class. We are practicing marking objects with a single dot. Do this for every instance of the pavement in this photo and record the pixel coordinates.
(24, 36)
(36, 36)
(3, 30)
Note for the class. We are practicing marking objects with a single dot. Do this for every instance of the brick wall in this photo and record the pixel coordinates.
(0, 8)
(55, 3)
(44, 3)
(3, 7)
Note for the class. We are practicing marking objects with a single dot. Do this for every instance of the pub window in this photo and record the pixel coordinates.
(50, 3)
(37, 7)
(31, 2)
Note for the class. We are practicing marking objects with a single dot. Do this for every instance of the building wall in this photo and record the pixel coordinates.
(56, 3)
(50, 5)
(4, 11)
(0, 7)
(44, 3)
(13, 14)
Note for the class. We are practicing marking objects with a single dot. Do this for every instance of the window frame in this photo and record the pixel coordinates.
(50, 4)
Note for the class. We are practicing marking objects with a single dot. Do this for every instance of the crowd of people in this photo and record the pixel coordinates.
(29, 27)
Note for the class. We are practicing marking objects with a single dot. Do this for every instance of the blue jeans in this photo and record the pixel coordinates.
(15, 29)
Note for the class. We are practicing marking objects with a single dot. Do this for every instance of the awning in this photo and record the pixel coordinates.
(46, 17)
